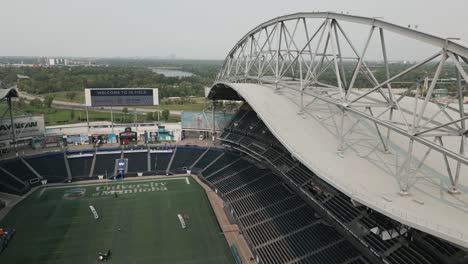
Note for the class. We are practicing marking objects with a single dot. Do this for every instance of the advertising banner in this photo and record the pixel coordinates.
(54, 141)
(77, 139)
(111, 138)
(25, 127)
(99, 139)
(203, 121)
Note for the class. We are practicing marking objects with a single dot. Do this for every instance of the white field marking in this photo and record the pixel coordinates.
(76, 156)
(117, 182)
(41, 192)
(108, 152)
(135, 151)
(187, 180)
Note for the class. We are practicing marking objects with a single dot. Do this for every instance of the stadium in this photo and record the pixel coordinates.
(304, 171)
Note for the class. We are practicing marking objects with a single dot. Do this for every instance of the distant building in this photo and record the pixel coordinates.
(50, 62)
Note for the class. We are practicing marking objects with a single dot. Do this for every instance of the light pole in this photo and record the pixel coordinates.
(12, 122)
(112, 119)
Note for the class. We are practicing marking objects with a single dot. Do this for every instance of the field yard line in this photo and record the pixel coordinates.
(117, 182)
(187, 180)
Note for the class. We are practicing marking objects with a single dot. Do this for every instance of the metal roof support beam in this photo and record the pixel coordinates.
(453, 187)
(342, 69)
(302, 50)
(331, 29)
(437, 41)
(397, 76)
(405, 186)
(429, 92)
(384, 145)
(460, 71)
(385, 59)
(443, 126)
(360, 56)
(278, 54)
(12, 123)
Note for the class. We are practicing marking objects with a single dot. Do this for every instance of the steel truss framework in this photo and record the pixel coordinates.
(289, 54)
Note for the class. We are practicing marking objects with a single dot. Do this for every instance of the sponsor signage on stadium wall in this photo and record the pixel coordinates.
(203, 121)
(25, 127)
(77, 139)
(121, 96)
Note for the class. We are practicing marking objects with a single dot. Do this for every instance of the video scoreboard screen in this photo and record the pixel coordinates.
(121, 96)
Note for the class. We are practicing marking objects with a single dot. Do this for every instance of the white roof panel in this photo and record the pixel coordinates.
(362, 171)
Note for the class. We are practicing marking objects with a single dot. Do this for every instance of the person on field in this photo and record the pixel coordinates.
(104, 256)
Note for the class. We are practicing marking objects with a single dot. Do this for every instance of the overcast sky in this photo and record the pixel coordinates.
(196, 29)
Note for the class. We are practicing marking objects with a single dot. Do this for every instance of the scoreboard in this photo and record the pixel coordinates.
(121, 96)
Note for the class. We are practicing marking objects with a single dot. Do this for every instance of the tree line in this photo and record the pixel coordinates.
(44, 80)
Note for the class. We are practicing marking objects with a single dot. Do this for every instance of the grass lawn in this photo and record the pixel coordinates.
(62, 96)
(178, 107)
(53, 229)
(198, 105)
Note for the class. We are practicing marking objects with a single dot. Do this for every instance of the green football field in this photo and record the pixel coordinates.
(139, 225)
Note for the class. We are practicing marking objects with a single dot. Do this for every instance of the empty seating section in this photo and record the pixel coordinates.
(232, 183)
(105, 163)
(342, 208)
(275, 208)
(256, 148)
(160, 161)
(247, 120)
(445, 249)
(229, 169)
(248, 128)
(11, 184)
(299, 174)
(6, 188)
(284, 224)
(233, 137)
(50, 166)
(137, 161)
(225, 160)
(256, 184)
(280, 225)
(185, 157)
(341, 251)
(237, 117)
(19, 169)
(207, 158)
(248, 133)
(80, 167)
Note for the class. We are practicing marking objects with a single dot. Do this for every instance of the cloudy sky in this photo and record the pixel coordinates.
(196, 29)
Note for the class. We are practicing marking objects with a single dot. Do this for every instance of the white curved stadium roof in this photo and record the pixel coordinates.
(363, 172)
